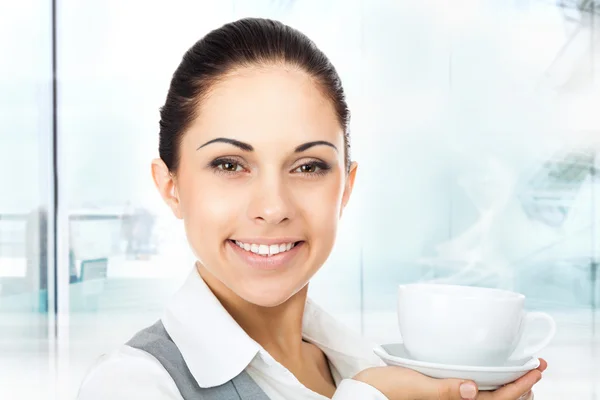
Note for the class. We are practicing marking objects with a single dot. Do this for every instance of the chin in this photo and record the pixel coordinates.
(266, 297)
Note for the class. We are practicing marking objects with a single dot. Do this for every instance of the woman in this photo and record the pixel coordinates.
(255, 158)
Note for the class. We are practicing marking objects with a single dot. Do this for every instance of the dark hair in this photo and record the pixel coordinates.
(243, 43)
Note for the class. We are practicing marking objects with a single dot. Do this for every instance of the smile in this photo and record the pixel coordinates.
(265, 250)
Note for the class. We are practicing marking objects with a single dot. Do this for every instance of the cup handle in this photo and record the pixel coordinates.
(532, 349)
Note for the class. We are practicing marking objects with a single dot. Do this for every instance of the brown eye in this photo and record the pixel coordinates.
(230, 166)
(314, 168)
(227, 166)
(308, 168)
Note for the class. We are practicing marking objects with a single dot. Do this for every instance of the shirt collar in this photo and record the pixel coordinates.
(216, 349)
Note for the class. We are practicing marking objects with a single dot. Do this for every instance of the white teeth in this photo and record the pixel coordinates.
(274, 249)
(264, 249)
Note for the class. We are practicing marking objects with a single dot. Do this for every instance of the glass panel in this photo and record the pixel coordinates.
(25, 182)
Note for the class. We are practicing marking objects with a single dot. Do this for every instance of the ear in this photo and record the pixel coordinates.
(349, 185)
(167, 186)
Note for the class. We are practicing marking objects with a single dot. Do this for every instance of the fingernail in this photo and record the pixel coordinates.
(468, 391)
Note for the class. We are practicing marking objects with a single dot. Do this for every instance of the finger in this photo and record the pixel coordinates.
(543, 365)
(517, 388)
(455, 389)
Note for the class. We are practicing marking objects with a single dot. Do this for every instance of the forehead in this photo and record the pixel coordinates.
(266, 104)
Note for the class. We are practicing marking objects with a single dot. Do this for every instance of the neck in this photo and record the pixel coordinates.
(277, 329)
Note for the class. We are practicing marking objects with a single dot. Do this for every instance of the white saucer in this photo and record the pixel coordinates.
(486, 378)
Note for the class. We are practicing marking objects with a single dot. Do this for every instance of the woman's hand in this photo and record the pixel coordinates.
(398, 383)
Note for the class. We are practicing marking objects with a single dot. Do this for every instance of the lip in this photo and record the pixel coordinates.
(265, 263)
(268, 241)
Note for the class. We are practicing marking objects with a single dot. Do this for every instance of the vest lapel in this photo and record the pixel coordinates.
(247, 388)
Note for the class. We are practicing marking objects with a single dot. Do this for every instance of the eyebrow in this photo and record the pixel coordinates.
(236, 143)
(306, 146)
(248, 147)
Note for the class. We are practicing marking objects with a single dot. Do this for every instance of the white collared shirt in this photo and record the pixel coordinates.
(216, 349)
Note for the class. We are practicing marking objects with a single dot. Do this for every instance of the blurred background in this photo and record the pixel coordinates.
(476, 124)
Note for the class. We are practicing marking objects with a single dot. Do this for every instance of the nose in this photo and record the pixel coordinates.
(271, 201)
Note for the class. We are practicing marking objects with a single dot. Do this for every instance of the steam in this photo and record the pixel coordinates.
(471, 257)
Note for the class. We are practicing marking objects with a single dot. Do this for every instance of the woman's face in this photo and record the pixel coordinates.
(261, 183)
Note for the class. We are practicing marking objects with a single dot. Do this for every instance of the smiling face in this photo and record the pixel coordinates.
(261, 182)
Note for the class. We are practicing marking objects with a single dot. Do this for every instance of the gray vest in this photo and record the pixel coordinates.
(156, 341)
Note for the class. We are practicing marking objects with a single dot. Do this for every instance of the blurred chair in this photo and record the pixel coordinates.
(94, 269)
(92, 280)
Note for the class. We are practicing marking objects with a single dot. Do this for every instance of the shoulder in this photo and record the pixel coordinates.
(128, 373)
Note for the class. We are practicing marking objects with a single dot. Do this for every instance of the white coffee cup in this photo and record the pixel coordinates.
(463, 325)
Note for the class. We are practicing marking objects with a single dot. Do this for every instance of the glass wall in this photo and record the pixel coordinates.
(475, 125)
(26, 222)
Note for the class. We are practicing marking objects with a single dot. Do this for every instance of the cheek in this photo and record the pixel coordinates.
(321, 206)
(209, 214)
